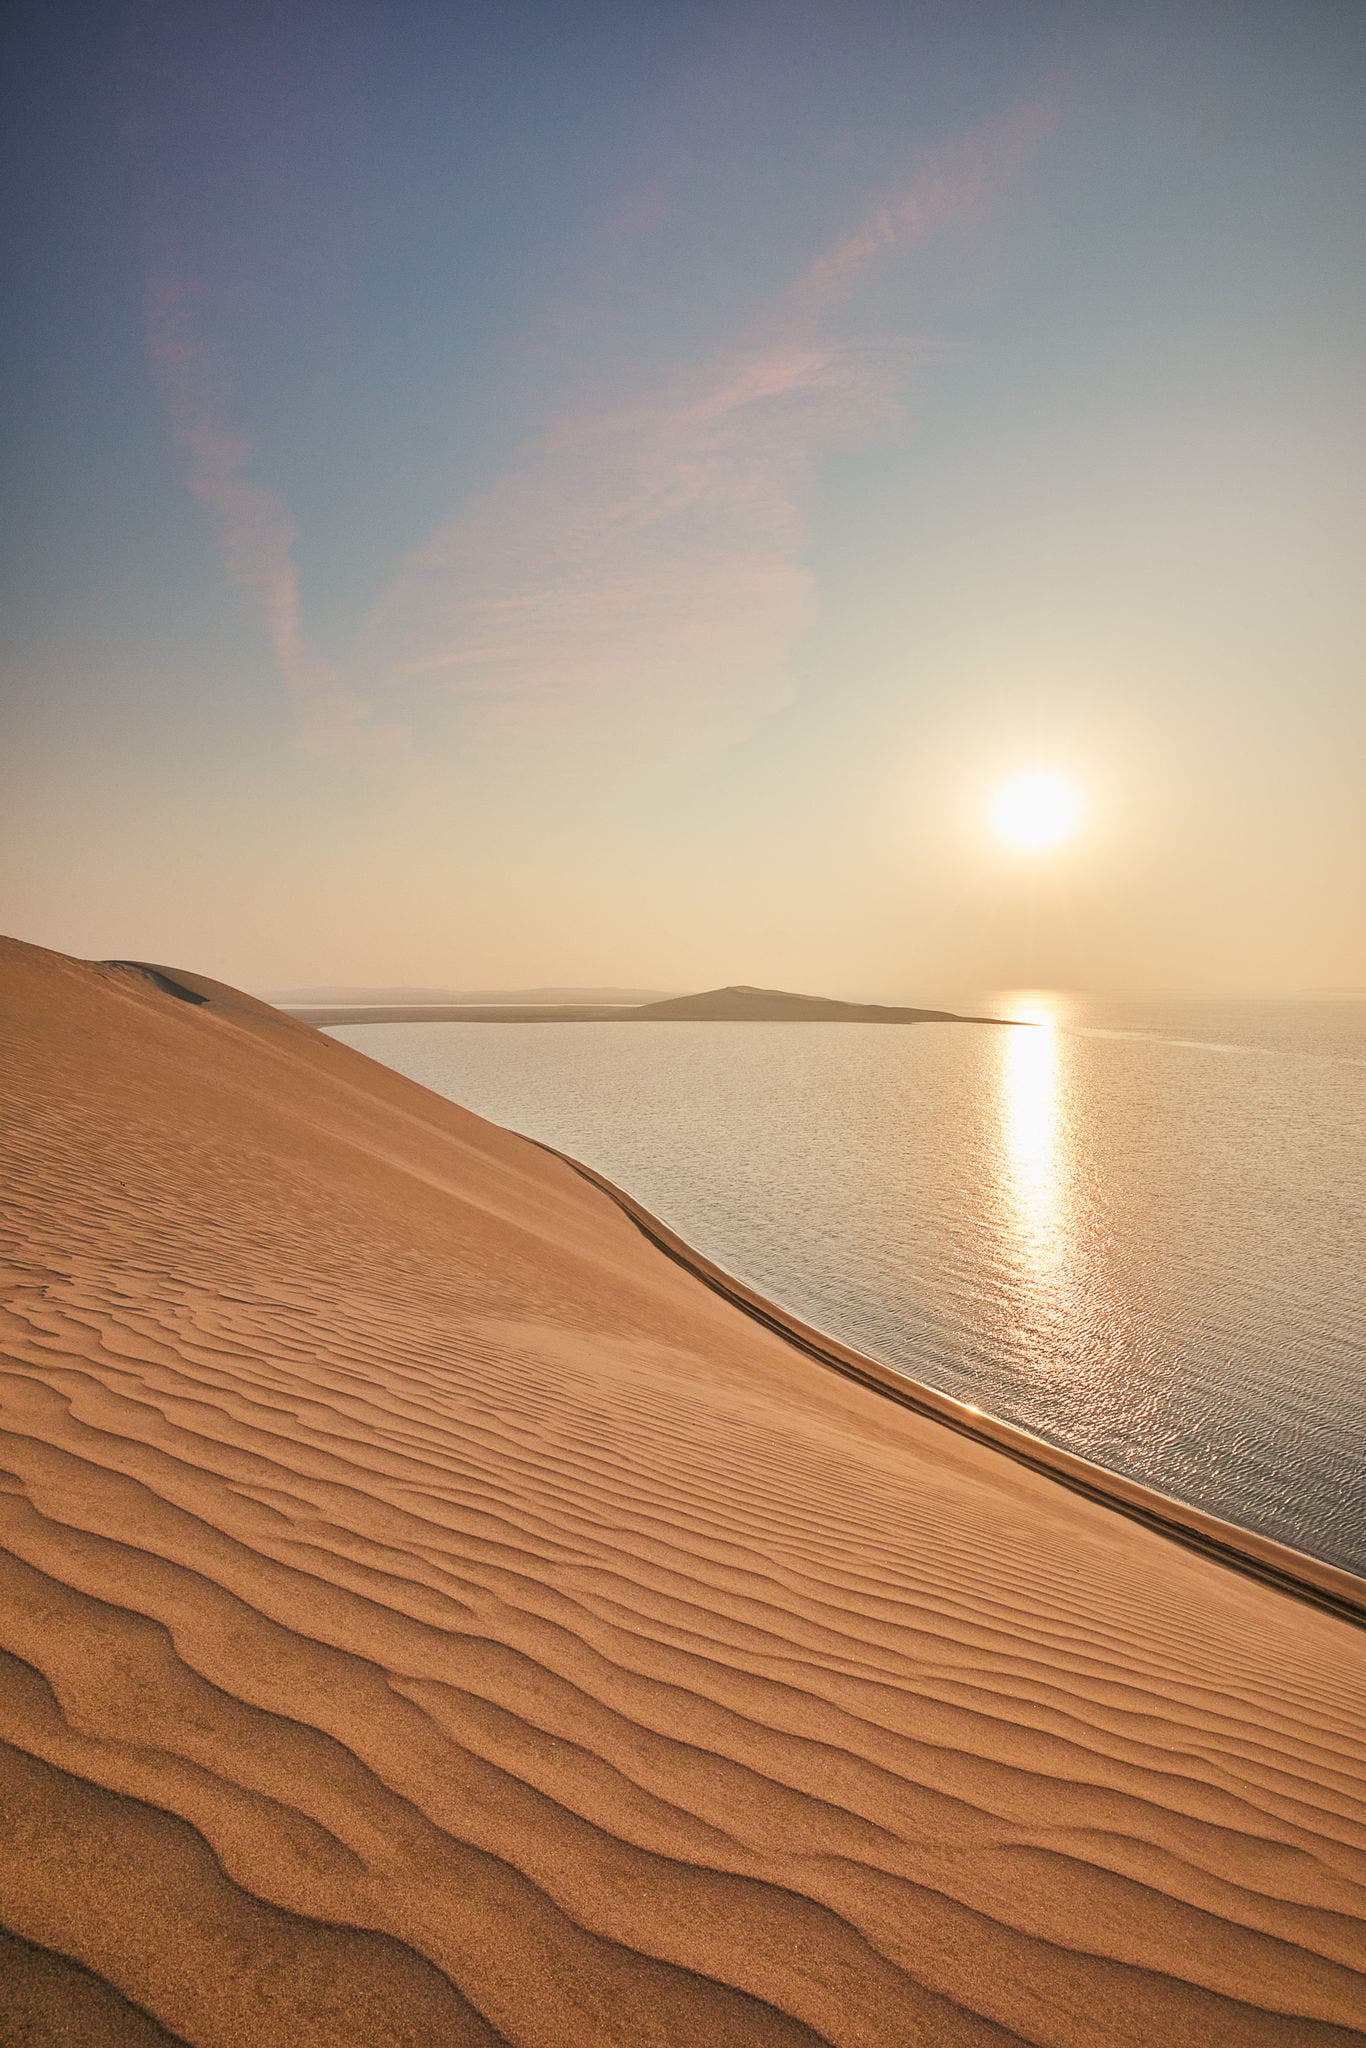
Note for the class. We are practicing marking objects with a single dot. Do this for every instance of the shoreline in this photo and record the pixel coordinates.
(1294, 1572)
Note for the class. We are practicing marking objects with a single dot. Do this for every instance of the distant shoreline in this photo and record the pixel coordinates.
(624, 1013)
(459, 1013)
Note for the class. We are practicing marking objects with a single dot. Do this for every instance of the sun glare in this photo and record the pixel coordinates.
(1034, 811)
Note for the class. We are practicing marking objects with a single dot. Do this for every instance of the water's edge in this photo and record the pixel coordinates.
(1293, 1572)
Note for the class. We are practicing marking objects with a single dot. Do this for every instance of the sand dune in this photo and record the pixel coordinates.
(430, 1616)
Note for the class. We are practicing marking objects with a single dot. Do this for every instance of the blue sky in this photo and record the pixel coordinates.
(528, 494)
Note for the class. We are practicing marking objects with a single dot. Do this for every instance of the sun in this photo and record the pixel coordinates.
(1031, 812)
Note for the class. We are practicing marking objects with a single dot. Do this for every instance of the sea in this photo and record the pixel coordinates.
(1137, 1229)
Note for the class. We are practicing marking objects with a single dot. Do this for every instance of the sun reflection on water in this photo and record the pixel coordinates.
(1033, 1177)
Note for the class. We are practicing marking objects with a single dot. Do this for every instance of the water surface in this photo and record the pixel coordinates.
(1138, 1230)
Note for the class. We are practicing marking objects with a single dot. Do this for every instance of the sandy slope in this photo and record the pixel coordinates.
(431, 1616)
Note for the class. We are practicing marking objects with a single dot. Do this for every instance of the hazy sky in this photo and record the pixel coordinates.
(511, 494)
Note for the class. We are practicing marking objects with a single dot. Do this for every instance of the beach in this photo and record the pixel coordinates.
(438, 1609)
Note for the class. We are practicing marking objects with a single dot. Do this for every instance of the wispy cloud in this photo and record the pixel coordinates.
(255, 531)
(635, 562)
(641, 569)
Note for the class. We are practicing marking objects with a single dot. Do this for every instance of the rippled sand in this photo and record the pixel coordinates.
(431, 1616)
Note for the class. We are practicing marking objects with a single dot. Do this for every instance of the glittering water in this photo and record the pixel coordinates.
(1138, 1230)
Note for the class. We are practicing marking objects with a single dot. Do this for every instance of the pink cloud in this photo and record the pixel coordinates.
(955, 186)
(637, 563)
(254, 527)
(640, 571)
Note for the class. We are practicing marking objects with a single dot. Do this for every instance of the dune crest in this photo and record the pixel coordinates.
(430, 1616)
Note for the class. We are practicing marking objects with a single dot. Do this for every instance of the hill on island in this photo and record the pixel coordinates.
(742, 1004)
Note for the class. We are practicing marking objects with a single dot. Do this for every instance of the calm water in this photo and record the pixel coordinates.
(1138, 1230)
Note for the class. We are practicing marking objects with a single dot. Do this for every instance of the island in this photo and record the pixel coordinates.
(736, 1004)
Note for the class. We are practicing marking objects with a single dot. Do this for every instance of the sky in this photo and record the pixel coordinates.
(515, 494)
